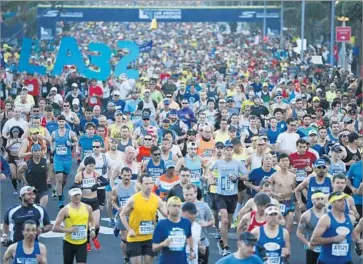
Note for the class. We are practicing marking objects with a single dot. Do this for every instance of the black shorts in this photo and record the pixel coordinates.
(101, 194)
(213, 204)
(241, 186)
(40, 195)
(228, 202)
(287, 207)
(136, 249)
(70, 251)
(93, 202)
(12, 159)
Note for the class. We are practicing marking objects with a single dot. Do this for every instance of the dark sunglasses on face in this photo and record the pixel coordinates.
(148, 139)
(96, 146)
(321, 167)
(157, 154)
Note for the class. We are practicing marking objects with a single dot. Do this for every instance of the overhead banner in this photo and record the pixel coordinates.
(48, 16)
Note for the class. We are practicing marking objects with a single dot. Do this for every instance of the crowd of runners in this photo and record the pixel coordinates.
(218, 133)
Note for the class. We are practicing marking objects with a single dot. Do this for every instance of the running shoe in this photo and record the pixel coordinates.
(96, 243)
(89, 247)
(226, 251)
(220, 247)
(54, 193)
(116, 231)
(126, 260)
(217, 235)
(235, 224)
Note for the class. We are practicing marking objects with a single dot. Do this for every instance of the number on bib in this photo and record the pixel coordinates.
(340, 250)
(61, 150)
(80, 234)
(146, 227)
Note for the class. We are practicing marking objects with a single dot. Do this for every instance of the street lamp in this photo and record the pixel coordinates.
(344, 19)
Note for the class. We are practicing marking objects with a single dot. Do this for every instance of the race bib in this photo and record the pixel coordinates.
(282, 208)
(80, 234)
(208, 153)
(227, 184)
(44, 90)
(340, 250)
(178, 239)
(93, 100)
(273, 260)
(87, 153)
(88, 183)
(123, 201)
(61, 150)
(300, 175)
(146, 227)
(30, 87)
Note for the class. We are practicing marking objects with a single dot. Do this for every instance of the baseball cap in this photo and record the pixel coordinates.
(228, 145)
(229, 99)
(170, 164)
(174, 200)
(173, 112)
(75, 191)
(335, 196)
(347, 119)
(319, 90)
(272, 210)
(312, 132)
(336, 148)
(33, 130)
(53, 89)
(36, 147)
(75, 101)
(166, 120)
(116, 92)
(315, 98)
(189, 207)
(248, 238)
(118, 112)
(192, 145)
(232, 129)
(320, 162)
(191, 132)
(219, 145)
(74, 85)
(27, 189)
(145, 115)
(352, 112)
(166, 102)
(146, 91)
(353, 136)
(236, 141)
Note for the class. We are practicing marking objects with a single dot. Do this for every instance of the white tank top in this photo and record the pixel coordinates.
(256, 161)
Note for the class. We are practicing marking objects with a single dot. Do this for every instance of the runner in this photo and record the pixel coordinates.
(246, 244)
(283, 185)
(334, 232)
(256, 217)
(177, 190)
(120, 194)
(307, 225)
(166, 181)
(77, 219)
(141, 209)
(28, 250)
(154, 166)
(204, 218)
(193, 163)
(37, 175)
(229, 171)
(172, 234)
(89, 181)
(272, 237)
(18, 214)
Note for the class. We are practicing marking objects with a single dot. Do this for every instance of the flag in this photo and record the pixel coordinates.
(146, 47)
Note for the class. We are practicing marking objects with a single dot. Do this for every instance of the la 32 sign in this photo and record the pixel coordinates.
(69, 54)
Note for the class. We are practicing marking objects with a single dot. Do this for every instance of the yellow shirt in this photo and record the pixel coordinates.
(80, 219)
(246, 103)
(143, 217)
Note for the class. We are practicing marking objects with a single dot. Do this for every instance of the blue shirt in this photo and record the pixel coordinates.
(354, 174)
(272, 135)
(257, 175)
(131, 105)
(178, 232)
(231, 259)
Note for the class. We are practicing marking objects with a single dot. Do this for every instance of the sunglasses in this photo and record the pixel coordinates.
(157, 154)
(344, 135)
(184, 103)
(115, 95)
(169, 97)
(193, 148)
(293, 125)
(146, 119)
(321, 167)
(148, 139)
(35, 133)
(96, 146)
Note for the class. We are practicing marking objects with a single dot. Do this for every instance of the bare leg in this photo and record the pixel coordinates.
(148, 259)
(136, 260)
(44, 201)
(224, 226)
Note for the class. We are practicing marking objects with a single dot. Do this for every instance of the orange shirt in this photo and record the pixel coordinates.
(163, 185)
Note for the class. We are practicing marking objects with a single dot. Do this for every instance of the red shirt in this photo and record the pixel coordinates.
(254, 222)
(95, 90)
(33, 86)
(144, 153)
(300, 162)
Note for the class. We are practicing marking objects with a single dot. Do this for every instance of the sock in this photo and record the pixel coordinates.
(14, 182)
(97, 230)
(88, 232)
(60, 197)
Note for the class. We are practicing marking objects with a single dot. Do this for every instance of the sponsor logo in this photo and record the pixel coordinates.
(175, 14)
(51, 13)
(54, 13)
(254, 14)
(271, 246)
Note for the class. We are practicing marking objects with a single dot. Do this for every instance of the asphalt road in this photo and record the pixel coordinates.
(110, 251)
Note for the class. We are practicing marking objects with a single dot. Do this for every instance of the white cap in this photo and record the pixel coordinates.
(27, 189)
(74, 85)
(117, 92)
(53, 89)
(75, 191)
(75, 101)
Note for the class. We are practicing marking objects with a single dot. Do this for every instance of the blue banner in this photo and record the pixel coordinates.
(146, 47)
(48, 16)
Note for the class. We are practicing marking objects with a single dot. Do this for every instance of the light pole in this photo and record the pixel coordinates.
(344, 19)
(302, 30)
(332, 31)
(282, 23)
(264, 18)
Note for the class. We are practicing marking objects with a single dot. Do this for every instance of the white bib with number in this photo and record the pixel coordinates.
(229, 185)
(30, 87)
(282, 208)
(88, 183)
(273, 260)
(80, 234)
(340, 250)
(300, 175)
(45, 90)
(146, 227)
(61, 150)
(87, 153)
(93, 100)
